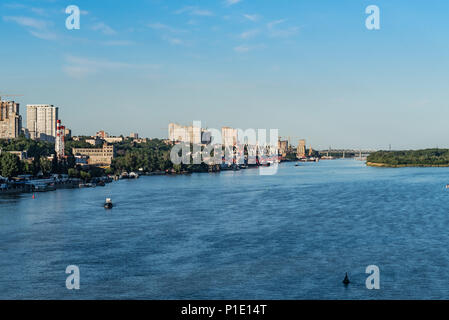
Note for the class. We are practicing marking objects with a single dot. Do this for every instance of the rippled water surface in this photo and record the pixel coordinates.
(234, 235)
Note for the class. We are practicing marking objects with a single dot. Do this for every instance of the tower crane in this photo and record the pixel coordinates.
(9, 95)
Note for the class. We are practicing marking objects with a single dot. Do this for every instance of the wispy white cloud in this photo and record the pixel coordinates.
(231, 2)
(277, 32)
(252, 17)
(274, 29)
(44, 12)
(168, 33)
(97, 64)
(194, 11)
(39, 11)
(271, 24)
(118, 43)
(249, 34)
(242, 49)
(199, 12)
(14, 6)
(82, 12)
(173, 41)
(80, 67)
(78, 72)
(284, 33)
(44, 35)
(164, 27)
(19, 6)
(36, 27)
(27, 22)
(103, 28)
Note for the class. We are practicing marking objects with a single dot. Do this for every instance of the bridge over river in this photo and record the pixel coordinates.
(346, 153)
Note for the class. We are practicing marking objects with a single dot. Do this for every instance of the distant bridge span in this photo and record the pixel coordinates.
(346, 153)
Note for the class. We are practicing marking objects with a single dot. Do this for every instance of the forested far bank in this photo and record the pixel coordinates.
(409, 158)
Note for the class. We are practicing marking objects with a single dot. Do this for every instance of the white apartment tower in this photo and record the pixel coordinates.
(229, 136)
(42, 121)
(188, 134)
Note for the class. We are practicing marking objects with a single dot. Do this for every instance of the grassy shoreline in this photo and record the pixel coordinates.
(386, 165)
(435, 157)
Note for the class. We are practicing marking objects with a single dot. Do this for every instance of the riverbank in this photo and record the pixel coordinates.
(48, 184)
(32, 184)
(387, 165)
(409, 158)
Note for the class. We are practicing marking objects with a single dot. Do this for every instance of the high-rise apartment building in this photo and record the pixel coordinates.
(283, 147)
(41, 121)
(10, 120)
(301, 150)
(229, 136)
(188, 134)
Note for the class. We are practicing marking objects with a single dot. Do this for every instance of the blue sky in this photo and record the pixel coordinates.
(309, 68)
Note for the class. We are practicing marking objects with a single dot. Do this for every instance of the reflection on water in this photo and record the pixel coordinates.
(234, 235)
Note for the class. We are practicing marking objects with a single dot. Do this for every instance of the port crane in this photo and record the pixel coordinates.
(9, 95)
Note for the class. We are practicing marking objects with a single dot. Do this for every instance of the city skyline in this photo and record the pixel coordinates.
(312, 70)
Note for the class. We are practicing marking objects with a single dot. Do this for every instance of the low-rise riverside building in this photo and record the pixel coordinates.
(97, 156)
(109, 139)
(113, 139)
(95, 141)
(22, 155)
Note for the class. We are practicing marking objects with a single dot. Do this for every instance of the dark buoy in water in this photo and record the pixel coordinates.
(346, 280)
(108, 204)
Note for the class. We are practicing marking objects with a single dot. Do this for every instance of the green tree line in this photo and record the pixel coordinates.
(150, 156)
(425, 157)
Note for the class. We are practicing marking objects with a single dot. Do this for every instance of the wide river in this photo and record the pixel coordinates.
(234, 235)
